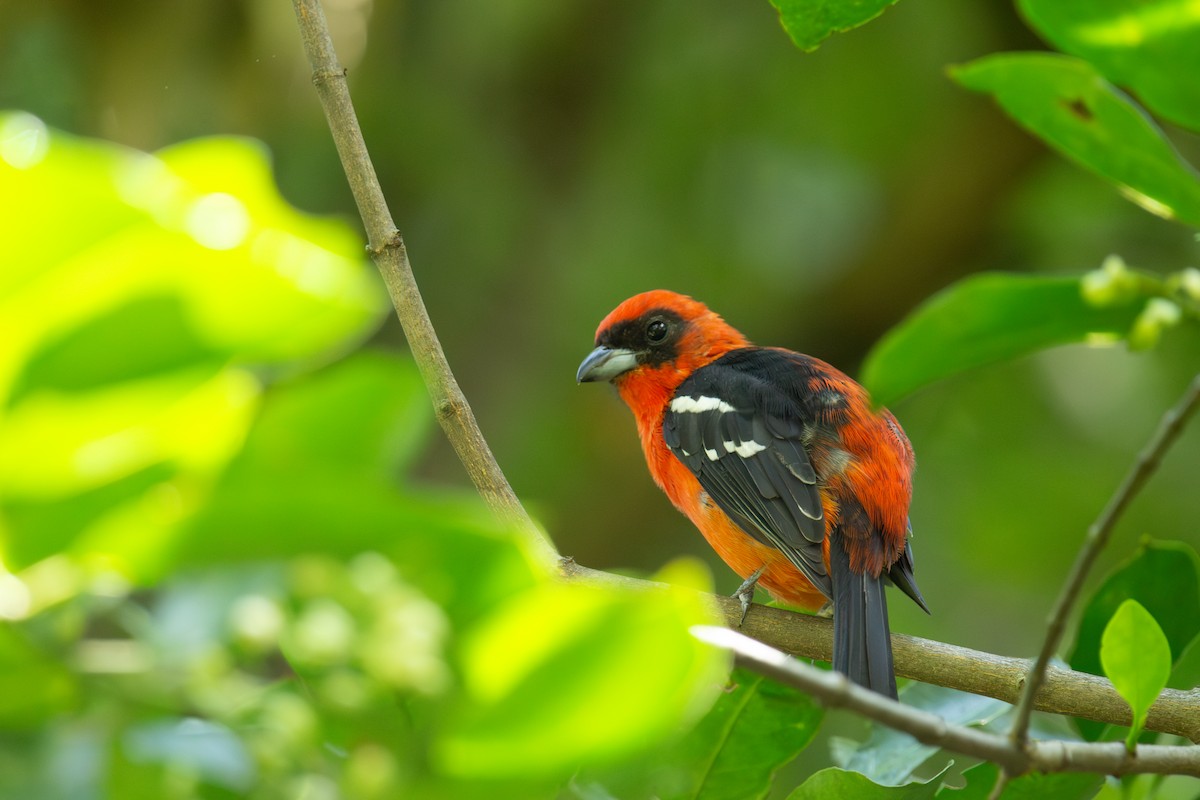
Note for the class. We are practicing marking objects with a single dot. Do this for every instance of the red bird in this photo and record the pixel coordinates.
(778, 459)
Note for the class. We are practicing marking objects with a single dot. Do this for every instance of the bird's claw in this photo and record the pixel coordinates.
(745, 593)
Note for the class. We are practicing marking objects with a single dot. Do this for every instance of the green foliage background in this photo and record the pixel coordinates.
(544, 161)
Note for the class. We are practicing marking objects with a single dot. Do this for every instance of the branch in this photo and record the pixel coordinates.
(833, 689)
(388, 252)
(1065, 691)
(1097, 537)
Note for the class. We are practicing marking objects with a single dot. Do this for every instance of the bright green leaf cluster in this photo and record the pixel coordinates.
(211, 581)
(143, 299)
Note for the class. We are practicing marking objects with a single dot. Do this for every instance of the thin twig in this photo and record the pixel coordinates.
(1097, 537)
(388, 252)
(833, 689)
(1065, 691)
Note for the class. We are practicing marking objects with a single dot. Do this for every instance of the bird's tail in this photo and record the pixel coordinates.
(862, 642)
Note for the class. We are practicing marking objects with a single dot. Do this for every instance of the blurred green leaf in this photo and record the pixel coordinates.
(984, 319)
(124, 385)
(211, 751)
(449, 547)
(837, 784)
(891, 757)
(317, 475)
(1186, 674)
(1060, 786)
(366, 416)
(755, 727)
(1066, 103)
(1146, 46)
(566, 675)
(81, 358)
(1137, 659)
(34, 687)
(810, 22)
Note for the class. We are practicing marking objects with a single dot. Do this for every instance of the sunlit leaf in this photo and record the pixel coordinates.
(368, 414)
(1137, 659)
(1066, 103)
(810, 22)
(984, 319)
(130, 332)
(568, 674)
(1145, 46)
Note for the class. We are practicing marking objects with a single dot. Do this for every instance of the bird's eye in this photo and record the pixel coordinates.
(656, 331)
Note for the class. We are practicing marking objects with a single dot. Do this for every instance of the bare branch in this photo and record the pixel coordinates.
(1097, 537)
(388, 252)
(833, 689)
(1065, 691)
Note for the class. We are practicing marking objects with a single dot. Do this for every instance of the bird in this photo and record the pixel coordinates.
(780, 461)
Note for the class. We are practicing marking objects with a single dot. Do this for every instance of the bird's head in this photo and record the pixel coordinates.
(655, 340)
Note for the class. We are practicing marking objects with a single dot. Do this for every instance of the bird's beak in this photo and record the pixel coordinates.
(604, 364)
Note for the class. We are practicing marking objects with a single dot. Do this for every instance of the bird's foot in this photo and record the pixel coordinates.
(745, 592)
(825, 611)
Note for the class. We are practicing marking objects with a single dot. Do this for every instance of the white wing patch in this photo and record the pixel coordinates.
(695, 405)
(744, 449)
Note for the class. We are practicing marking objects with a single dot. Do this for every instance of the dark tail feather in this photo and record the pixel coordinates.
(862, 643)
(901, 574)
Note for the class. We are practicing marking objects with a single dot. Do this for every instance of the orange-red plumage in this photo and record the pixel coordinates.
(750, 409)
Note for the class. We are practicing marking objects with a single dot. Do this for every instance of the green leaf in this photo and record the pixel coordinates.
(1164, 577)
(1186, 673)
(566, 675)
(1060, 786)
(123, 380)
(34, 687)
(810, 22)
(891, 757)
(837, 784)
(984, 319)
(1151, 47)
(1066, 103)
(368, 414)
(755, 727)
(1137, 659)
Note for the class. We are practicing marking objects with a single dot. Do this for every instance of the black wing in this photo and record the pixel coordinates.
(741, 436)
